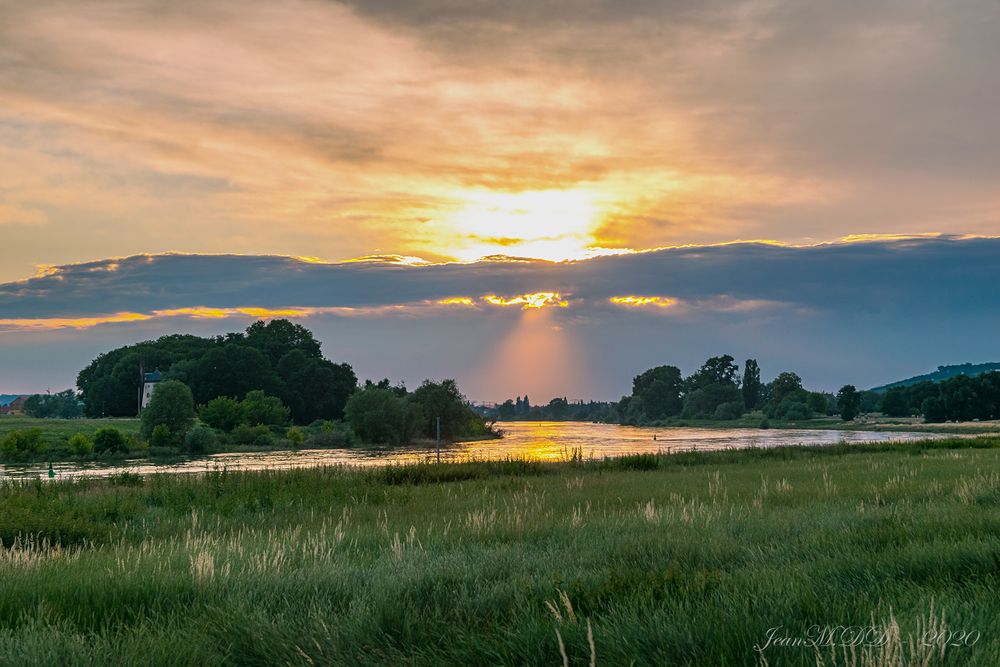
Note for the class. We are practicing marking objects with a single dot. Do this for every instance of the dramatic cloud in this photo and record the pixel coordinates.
(458, 129)
(863, 312)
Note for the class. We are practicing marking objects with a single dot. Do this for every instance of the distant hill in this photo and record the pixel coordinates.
(943, 373)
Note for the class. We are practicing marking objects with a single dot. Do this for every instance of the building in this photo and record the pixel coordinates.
(149, 381)
(12, 404)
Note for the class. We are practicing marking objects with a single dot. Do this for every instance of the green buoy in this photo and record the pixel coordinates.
(52, 473)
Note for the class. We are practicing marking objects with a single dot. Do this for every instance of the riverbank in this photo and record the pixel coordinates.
(862, 423)
(56, 434)
(688, 558)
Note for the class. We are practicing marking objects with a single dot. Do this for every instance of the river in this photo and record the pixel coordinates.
(549, 441)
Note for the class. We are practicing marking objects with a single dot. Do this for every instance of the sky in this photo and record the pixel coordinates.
(667, 180)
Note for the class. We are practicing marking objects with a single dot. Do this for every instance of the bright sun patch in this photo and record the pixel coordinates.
(641, 301)
(526, 301)
(546, 224)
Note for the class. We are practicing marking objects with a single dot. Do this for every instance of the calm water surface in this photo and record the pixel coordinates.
(548, 441)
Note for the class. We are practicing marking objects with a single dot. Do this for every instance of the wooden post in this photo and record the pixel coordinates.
(438, 420)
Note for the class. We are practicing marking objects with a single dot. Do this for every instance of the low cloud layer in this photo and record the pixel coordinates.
(861, 312)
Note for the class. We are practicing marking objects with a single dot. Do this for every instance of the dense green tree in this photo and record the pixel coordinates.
(704, 402)
(109, 440)
(817, 402)
(314, 387)
(506, 411)
(444, 400)
(659, 392)
(783, 385)
(63, 405)
(716, 370)
(259, 408)
(934, 410)
(223, 413)
(379, 416)
(896, 402)
(232, 370)
(171, 405)
(751, 385)
(849, 402)
(278, 337)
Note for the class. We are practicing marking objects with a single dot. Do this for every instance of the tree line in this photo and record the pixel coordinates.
(268, 382)
(718, 390)
(959, 398)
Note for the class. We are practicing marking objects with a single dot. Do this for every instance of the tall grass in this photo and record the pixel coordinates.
(646, 560)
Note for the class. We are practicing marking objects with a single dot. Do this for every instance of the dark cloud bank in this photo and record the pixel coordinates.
(851, 312)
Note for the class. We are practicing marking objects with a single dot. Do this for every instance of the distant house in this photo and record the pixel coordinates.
(12, 404)
(149, 381)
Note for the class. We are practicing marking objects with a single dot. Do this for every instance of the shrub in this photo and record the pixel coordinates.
(110, 440)
(729, 410)
(764, 423)
(223, 413)
(258, 436)
(172, 404)
(161, 436)
(295, 436)
(26, 441)
(199, 440)
(329, 435)
(80, 444)
(259, 408)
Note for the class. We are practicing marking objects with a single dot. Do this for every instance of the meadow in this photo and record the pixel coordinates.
(684, 559)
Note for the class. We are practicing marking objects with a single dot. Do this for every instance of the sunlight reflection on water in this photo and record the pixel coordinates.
(548, 441)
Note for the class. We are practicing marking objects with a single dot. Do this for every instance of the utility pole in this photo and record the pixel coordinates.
(142, 380)
(438, 420)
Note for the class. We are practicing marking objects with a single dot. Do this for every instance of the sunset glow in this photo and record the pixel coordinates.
(641, 301)
(547, 224)
(528, 301)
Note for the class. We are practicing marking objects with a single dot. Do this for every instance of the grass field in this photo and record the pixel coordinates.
(645, 560)
(57, 432)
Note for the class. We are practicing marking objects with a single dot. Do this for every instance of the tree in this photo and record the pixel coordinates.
(231, 370)
(659, 392)
(507, 410)
(896, 402)
(379, 416)
(110, 440)
(751, 384)
(172, 405)
(63, 405)
(849, 401)
(223, 413)
(783, 385)
(278, 337)
(443, 399)
(934, 410)
(259, 408)
(716, 370)
(314, 387)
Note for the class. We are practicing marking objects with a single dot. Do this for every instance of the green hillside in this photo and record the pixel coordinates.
(943, 373)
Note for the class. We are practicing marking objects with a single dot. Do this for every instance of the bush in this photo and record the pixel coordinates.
(730, 410)
(764, 424)
(161, 437)
(26, 441)
(80, 444)
(258, 436)
(259, 408)
(110, 440)
(295, 435)
(330, 435)
(199, 440)
(379, 416)
(223, 413)
(173, 405)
